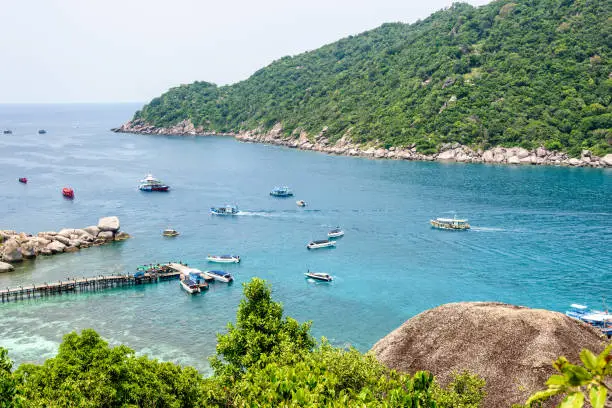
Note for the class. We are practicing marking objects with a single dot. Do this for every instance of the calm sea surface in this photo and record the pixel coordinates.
(541, 236)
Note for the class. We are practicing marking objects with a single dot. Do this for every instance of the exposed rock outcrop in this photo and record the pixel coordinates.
(6, 267)
(511, 347)
(14, 246)
(321, 142)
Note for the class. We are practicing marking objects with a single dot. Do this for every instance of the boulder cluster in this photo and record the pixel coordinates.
(16, 246)
(183, 128)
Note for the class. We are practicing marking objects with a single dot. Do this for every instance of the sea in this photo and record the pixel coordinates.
(541, 236)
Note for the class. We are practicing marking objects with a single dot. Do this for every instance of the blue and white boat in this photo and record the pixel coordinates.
(227, 210)
(320, 276)
(322, 243)
(150, 183)
(220, 276)
(601, 320)
(282, 191)
(223, 258)
(190, 286)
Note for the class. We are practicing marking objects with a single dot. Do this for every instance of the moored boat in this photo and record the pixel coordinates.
(227, 210)
(150, 183)
(321, 276)
(323, 243)
(220, 276)
(282, 191)
(42, 131)
(68, 192)
(335, 233)
(450, 224)
(190, 286)
(223, 258)
(23, 180)
(169, 232)
(601, 320)
(301, 203)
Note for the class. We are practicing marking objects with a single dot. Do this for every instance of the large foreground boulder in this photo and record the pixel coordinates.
(109, 224)
(511, 347)
(6, 267)
(11, 251)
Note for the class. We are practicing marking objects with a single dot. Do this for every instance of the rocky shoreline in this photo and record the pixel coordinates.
(17, 246)
(451, 152)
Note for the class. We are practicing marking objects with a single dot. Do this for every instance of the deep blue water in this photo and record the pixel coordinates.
(541, 236)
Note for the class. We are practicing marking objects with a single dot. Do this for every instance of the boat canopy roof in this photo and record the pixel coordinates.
(321, 241)
(578, 306)
(449, 220)
(220, 273)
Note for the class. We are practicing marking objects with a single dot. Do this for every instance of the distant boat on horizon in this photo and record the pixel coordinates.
(8, 132)
(42, 131)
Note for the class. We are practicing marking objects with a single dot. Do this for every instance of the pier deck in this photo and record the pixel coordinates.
(84, 284)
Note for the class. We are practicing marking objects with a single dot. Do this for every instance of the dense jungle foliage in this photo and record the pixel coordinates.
(510, 73)
(262, 360)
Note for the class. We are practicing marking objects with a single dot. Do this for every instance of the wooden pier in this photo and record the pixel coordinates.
(84, 284)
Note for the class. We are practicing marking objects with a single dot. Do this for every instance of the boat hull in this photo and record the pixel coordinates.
(449, 227)
(335, 234)
(154, 188)
(222, 260)
(216, 211)
(218, 277)
(319, 277)
(330, 244)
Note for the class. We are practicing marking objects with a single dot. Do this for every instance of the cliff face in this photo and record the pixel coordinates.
(511, 347)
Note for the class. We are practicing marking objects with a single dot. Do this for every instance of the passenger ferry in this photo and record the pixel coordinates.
(227, 210)
(335, 233)
(283, 191)
(323, 243)
(221, 276)
(190, 286)
(223, 258)
(150, 183)
(450, 224)
(319, 276)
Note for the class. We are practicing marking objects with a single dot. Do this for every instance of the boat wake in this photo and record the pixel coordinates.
(487, 229)
(276, 214)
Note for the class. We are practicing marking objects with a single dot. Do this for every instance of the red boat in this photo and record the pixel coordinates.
(68, 192)
(23, 180)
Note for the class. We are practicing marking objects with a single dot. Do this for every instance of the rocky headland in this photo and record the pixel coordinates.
(511, 347)
(451, 152)
(17, 246)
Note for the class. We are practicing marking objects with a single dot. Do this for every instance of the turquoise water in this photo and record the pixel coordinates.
(541, 236)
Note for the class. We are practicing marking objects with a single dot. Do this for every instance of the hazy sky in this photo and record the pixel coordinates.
(133, 50)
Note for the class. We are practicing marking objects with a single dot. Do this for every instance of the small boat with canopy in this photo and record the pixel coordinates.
(226, 210)
(335, 233)
(223, 258)
(190, 286)
(450, 224)
(169, 232)
(282, 191)
(220, 276)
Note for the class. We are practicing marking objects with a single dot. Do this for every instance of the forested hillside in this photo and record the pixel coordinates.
(511, 73)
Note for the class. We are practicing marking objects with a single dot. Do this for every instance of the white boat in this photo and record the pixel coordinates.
(150, 183)
(450, 224)
(223, 258)
(282, 191)
(301, 203)
(319, 276)
(323, 243)
(601, 320)
(335, 233)
(220, 276)
(169, 232)
(227, 210)
(190, 286)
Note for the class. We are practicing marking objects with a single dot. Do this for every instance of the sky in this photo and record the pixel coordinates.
(134, 50)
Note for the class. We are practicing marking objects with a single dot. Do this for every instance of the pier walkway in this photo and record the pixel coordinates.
(84, 284)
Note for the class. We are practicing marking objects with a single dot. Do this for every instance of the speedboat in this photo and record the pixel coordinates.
(8, 132)
(23, 180)
(168, 232)
(150, 183)
(323, 243)
(450, 224)
(221, 276)
(223, 258)
(282, 191)
(319, 276)
(335, 233)
(601, 320)
(42, 131)
(190, 286)
(68, 192)
(301, 203)
(227, 210)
